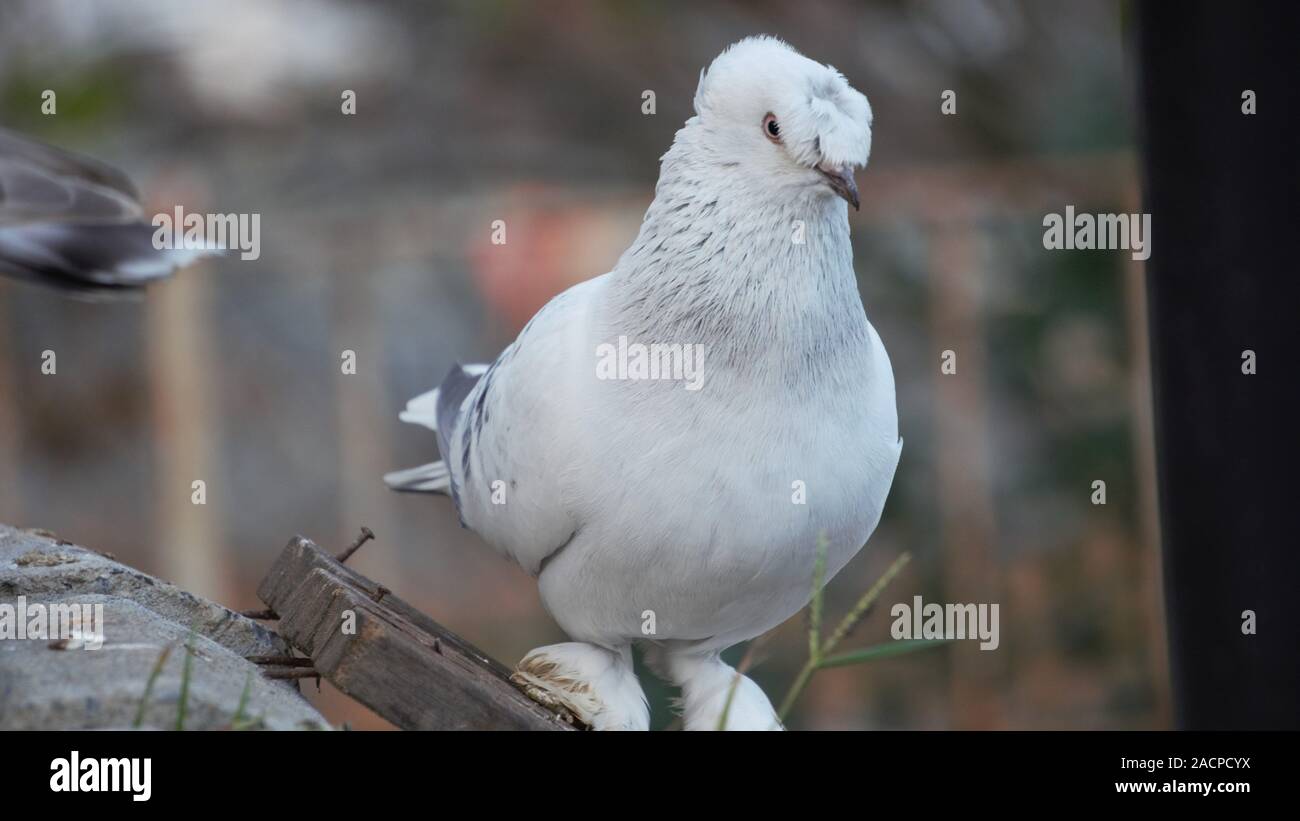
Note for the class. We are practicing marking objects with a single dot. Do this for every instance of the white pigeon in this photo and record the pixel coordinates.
(683, 510)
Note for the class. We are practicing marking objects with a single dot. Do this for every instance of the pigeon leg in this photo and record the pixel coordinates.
(595, 684)
(712, 689)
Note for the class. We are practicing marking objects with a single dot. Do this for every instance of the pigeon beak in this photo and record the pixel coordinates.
(842, 183)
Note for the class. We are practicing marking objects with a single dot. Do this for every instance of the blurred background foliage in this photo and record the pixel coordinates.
(375, 238)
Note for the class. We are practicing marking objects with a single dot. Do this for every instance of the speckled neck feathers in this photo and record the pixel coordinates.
(761, 275)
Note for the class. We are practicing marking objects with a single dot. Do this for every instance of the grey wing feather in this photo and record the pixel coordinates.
(75, 224)
(40, 182)
(110, 255)
(454, 388)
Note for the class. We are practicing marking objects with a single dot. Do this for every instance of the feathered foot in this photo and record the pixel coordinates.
(595, 684)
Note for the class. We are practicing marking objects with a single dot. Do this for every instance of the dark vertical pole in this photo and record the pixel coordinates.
(1223, 189)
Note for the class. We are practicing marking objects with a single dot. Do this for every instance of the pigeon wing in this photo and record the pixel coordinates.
(41, 183)
(75, 224)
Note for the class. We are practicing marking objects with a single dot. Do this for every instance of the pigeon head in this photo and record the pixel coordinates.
(789, 121)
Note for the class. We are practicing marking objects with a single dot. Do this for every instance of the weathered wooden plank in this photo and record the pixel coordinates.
(398, 661)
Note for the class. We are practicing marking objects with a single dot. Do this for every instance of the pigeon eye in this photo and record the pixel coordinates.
(772, 128)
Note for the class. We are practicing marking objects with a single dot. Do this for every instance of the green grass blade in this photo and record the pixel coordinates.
(148, 686)
(238, 722)
(881, 651)
(186, 669)
(819, 582)
(864, 604)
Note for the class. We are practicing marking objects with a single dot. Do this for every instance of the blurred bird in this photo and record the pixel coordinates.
(676, 512)
(76, 224)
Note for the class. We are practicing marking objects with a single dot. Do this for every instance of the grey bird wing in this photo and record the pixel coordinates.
(508, 435)
(74, 223)
(41, 183)
(457, 385)
(451, 395)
